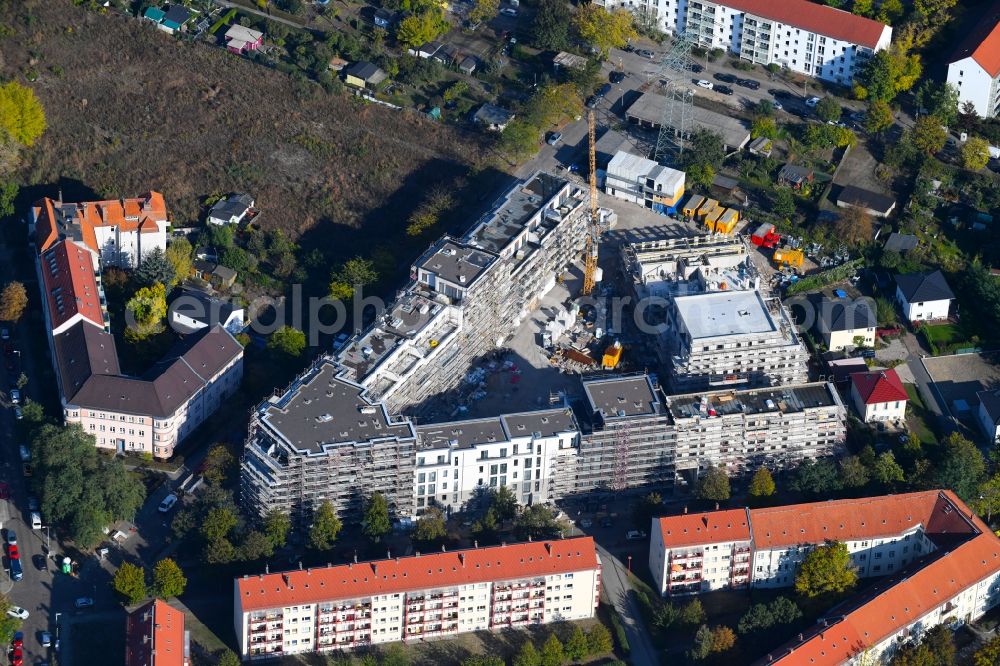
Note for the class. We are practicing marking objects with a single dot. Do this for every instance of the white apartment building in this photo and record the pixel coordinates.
(805, 37)
(416, 598)
(974, 68)
(678, 266)
(527, 453)
(941, 564)
(644, 182)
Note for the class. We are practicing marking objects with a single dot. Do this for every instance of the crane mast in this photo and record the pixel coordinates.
(590, 248)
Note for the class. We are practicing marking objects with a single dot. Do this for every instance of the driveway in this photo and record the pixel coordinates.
(614, 578)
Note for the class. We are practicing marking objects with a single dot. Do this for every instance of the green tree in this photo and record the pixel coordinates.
(504, 503)
(703, 641)
(354, 274)
(599, 640)
(550, 29)
(853, 473)
(254, 546)
(828, 109)
(935, 648)
(13, 301)
(154, 268)
(975, 153)
(431, 527)
(238, 259)
(879, 117)
(783, 202)
(646, 509)
(886, 471)
(817, 478)
(552, 651)
(130, 582)
(928, 135)
(168, 579)
(705, 148)
(218, 523)
(714, 486)
(968, 118)
(288, 340)
(939, 100)
(180, 255)
(961, 467)
(576, 645)
(864, 8)
(219, 551)
(605, 29)
(32, 411)
(228, 658)
(518, 139)
(762, 484)
(764, 126)
(484, 10)
(376, 523)
(418, 29)
(147, 309)
(325, 527)
(987, 499)
(988, 654)
(277, 525)
(693, 613)
(21, 114)
(527, 655)
(8, 188)
(537, 522)
(890, 11)
(827, 569)
(218, 465)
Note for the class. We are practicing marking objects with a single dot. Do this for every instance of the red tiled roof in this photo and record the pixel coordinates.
(70, 284)
(710, 527)
(905, 599)
(840, 520)
(878, 387)
(816, 18)
(402, 574)
(155, 636)
(136, 214)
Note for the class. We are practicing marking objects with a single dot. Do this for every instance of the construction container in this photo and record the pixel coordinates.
(612, 356)
(706, 208)
(712, 217)
(785, 257)
(727, 221)
(692, 205)
(765, 236)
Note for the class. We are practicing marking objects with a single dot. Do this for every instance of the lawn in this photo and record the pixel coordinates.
(942, 334)
(916, 416)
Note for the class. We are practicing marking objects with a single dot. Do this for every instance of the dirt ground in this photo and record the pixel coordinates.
(130, 108)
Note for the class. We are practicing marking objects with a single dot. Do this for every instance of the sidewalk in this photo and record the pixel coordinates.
(614, 577)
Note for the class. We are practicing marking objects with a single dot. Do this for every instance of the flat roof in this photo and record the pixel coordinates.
(649, 107)
(321, 409)
(783, 399)
(503, 428)
(621, 396)
(724, 313)
(455, 262)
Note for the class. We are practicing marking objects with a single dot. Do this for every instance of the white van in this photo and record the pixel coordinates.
(168, 503)
(36, 520)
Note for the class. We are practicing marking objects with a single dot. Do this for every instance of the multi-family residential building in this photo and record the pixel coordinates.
(468, 295)
(119, 232)
(531, 454)
(155, 636)
(416, 598)
(974, 68)
(805, 37)
(323, 439)
(148, 414)
(941, 565)
(731, 339)
(644, 182)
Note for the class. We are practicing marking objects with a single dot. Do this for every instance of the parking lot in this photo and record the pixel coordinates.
(958, 378)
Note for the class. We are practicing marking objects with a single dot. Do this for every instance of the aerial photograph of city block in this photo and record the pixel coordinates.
(500, 332)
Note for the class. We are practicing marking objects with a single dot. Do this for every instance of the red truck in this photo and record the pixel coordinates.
(765, 236)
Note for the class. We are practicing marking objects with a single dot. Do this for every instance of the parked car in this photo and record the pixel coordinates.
(725, 90)
(15, 396)
(725, 78)
(33, 504)
(36, 520)
(607, 522)
(16, 572)
(11, 537)
(24, 452)
(696, 68)
(27, 469)
(592, 101)
(604, 90)
(748, 83)
(18, 612)
(635, 535)
(702, 83)
(17, 656)
(18, 640)
(508, 11)
(13, 553)
(168, 503)
(18, 413)
(39, 562)
(616, 76)
(777, 106)
(780, 94)
(84, 602)
(645, 53)
(812, 102)
(586, 522)
(4, 333)
(45, 638)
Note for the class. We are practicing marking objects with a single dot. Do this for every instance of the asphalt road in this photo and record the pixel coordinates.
(614, 578)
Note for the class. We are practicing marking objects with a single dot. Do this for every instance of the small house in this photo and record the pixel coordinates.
(174, 19)
(154, 15)
(989, 414)
(901, 243)
(233, 209)
(795, 176)
(215, 274)
(364, 74)
(337, 64)
(384, 18)
(468, 65)
(240, 39)
(924, 296)
(879, 396)
(194, 311)
(872, 203)
(492, 117)
(569, 61)
(426, 51)
(761, 146)
(846, 323)
(446, 55)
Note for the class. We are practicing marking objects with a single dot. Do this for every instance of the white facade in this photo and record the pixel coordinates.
(976, 85)
(923, 310)
(126, 248)
(698, 568)
(894, 410)
(840, 340)
(642, 181)
(989, 422)
(760, 39)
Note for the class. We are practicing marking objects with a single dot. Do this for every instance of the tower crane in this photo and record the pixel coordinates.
(590, 248)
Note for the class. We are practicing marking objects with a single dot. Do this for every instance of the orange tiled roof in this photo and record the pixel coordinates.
(70, 284)
(402, 574)
(80, 219)
(163, 625)
(982, 43)
(905, 599)
(692, 529)
(816, 18)
(878, 387)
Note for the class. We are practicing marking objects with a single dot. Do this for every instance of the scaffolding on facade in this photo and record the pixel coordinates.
(623, 443)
